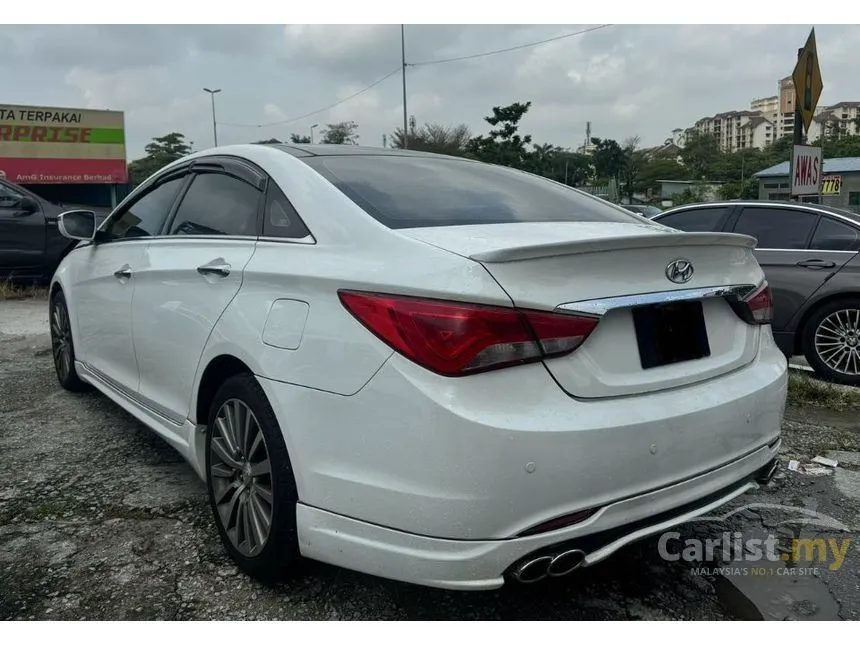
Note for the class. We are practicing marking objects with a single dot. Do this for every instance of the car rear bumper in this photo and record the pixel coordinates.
(492, 457)
(485, 564)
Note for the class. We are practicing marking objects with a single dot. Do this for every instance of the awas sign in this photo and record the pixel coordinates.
(45, 145)
(806, 170)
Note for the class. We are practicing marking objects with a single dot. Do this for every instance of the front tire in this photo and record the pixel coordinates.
(831, 341)
(249, 477)
(62, 347)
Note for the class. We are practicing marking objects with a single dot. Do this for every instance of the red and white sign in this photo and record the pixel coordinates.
(806, 167)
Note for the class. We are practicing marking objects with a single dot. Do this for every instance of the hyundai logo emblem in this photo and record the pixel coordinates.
(679, 271)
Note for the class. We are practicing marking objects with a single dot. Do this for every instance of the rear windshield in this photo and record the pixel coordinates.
(417, 192)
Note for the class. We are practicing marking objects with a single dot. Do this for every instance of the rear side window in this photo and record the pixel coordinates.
(281, 219)
(835, 236)
(696, 220)
(414, 192)
(777, 228)
(217, 204)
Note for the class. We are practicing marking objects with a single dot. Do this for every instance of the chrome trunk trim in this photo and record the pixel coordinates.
(601, 306)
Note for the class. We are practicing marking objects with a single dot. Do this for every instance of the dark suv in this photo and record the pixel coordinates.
(809, 254)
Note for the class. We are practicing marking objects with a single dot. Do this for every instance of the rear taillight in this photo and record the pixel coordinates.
(757, 308)
(455, 339)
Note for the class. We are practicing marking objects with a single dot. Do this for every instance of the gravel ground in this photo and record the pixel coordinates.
(100, 519)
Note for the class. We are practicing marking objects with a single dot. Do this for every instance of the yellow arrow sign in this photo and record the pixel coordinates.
(807, 81)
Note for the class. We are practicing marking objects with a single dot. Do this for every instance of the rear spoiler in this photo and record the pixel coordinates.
(579, 247)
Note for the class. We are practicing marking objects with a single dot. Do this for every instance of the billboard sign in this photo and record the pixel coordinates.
(45, 145)
(806, 167)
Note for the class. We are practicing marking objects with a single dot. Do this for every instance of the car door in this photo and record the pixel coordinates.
(793, 269)
(191, 275)
(22, 234)
(103, 278)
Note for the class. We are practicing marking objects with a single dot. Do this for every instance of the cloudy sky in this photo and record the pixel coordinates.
(626, 79)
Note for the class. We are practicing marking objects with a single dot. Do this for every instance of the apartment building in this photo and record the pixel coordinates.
(736, 130)
(840, 120)
(771, 118)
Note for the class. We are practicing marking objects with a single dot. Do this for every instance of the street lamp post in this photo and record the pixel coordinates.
(312, 131)
(212, 94)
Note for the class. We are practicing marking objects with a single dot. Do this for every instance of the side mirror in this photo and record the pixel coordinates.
(28, 204)
(77, 225)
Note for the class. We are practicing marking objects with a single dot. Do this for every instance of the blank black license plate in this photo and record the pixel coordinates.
(671, 333)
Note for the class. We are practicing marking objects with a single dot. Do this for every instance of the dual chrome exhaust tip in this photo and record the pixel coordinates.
(549, 566)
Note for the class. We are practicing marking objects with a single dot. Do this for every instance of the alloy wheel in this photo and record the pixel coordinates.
(61, 340)
(837, 341)
(241, 476)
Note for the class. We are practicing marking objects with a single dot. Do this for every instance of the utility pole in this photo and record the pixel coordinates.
(403, 70)
(312, 131)
(212, 94)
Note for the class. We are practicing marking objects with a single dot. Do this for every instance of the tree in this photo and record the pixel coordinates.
(159, 152)
(265, 141)
(503, 145)
(609, 159)
(343, 133)
(633, 162)
(433, 137)
(299, 138)
(700, 154)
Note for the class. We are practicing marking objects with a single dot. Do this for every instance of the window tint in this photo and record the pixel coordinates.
(404, 192)
(696, 220)
(217, 204)
(835, 236)
(776, 228)
(281, 219)
(146, 216)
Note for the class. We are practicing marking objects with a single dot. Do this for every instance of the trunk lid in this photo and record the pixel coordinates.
(545, 265)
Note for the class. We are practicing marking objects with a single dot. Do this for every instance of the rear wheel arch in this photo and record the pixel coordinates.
(216, 373)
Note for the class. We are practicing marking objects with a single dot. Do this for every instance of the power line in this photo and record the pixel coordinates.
(328, 107)
(509, 49)
(421, 64)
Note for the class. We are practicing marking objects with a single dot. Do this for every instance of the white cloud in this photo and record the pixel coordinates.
(626, 79)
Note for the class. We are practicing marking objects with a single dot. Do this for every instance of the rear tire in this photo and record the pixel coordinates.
(831, 341)
(62, 346)
(249, 477)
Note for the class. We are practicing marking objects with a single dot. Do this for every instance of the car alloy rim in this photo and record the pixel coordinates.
(61, 340)
(837, 341)
(241, 477)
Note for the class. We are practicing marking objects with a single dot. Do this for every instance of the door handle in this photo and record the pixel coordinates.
(123, 273)
(221, 269)
(816, 264)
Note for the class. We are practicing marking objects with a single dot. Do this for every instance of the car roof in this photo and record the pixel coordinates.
(334, 150)
(822, 208)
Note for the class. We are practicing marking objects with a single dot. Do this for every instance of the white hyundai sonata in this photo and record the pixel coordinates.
(422, 367)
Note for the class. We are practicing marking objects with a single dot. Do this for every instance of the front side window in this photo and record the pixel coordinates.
(217, 204)
(9, 197)
(145, 216)
(415, 192)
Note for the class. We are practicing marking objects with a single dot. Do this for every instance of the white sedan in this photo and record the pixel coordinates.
(421, 367)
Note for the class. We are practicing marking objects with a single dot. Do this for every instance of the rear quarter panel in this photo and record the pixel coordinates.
(328, 349)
